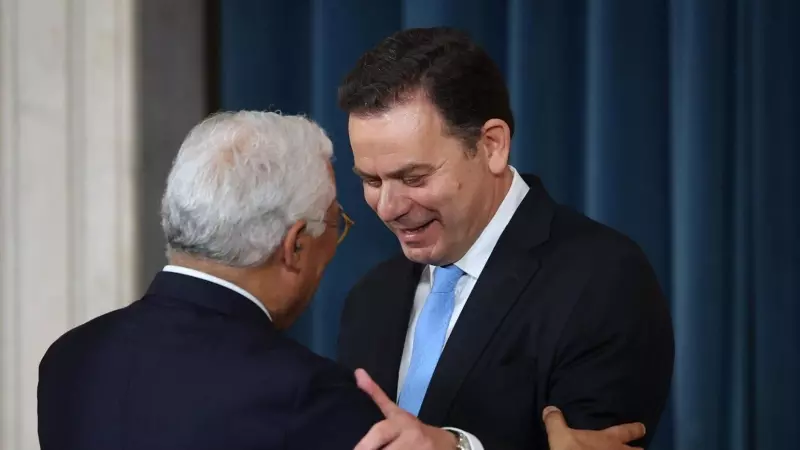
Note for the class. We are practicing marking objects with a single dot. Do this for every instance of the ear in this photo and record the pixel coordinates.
(295, 246)
(495, 142)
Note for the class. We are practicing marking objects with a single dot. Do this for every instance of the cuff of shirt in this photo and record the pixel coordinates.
(474, 443)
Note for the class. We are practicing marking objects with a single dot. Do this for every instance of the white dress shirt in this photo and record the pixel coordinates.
(472, 264)
(219, 281)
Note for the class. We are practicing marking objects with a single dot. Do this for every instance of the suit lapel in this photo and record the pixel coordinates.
(391, 326)
(508, 271)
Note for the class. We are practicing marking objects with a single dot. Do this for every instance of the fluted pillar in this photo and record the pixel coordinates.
(67, 174)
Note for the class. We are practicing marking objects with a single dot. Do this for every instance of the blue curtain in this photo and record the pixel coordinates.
(673, 121)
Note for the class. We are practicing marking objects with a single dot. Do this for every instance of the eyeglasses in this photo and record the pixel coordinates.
(343, 224)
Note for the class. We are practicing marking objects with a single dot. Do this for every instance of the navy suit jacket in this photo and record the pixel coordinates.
(194, 365)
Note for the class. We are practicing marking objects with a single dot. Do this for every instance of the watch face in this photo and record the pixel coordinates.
(463, 443)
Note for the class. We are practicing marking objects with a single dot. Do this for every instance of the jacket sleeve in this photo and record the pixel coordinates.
(615, 357)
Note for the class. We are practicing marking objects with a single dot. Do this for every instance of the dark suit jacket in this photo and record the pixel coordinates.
(194, 365)
(566, 312)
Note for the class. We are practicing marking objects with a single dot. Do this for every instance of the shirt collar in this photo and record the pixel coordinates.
(204, 276)
(473, 262)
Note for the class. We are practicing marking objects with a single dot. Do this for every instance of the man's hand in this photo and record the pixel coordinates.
(400, 430)
(561, 437)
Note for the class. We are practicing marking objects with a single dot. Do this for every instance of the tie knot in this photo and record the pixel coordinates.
(445, 278)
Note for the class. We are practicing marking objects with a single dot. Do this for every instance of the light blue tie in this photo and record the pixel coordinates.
(429, 337)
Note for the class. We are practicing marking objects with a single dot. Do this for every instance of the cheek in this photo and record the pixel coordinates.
(324, 258)
(438, 195)
(450, 201)
(429, 199)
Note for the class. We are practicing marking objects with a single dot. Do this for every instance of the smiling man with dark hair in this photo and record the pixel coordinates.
(503, 301)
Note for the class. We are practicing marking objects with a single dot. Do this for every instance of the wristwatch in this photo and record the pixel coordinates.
(462, 441)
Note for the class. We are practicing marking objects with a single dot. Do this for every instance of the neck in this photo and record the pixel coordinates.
(503, 185)
(495, 194)
(495, 197)
(261, 281)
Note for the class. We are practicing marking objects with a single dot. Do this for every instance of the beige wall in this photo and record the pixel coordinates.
(95, 96)
(67, 183)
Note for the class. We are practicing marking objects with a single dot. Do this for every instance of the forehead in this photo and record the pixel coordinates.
(412, 130)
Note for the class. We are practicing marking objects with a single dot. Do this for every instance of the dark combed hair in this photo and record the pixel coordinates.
(456, 75)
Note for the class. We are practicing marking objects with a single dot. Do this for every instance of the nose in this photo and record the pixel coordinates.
(391, 203)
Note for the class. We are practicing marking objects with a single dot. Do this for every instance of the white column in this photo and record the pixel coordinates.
(67, 173)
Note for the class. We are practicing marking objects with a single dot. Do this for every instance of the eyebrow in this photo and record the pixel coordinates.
(398, 173)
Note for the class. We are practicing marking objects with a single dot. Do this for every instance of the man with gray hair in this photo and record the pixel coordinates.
(251, 219)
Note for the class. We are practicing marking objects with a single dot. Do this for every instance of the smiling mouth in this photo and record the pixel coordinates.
(413, 231)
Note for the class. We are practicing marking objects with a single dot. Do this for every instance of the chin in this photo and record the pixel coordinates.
(422, 255)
